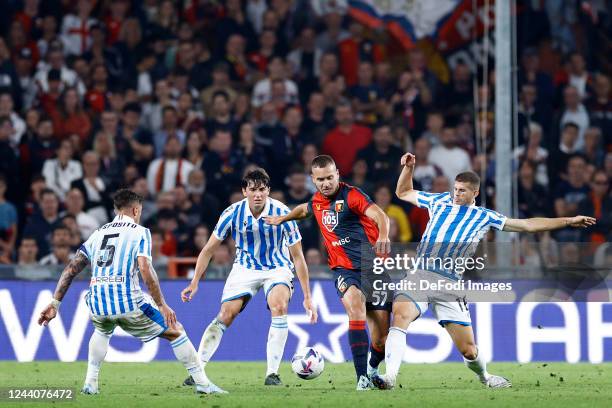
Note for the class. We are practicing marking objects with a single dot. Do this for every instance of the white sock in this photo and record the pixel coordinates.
(186, 354)
(98, 346)
(277, 337)
(210, 341)
(395, 348)
(479, 366)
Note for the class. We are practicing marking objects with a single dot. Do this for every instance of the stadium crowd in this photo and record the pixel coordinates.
(176, 100)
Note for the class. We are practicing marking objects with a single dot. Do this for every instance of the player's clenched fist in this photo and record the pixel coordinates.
(189, 292)
(408, 159)
(382, 246)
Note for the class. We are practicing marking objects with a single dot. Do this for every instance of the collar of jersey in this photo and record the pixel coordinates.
(124, 218)
(264, 212)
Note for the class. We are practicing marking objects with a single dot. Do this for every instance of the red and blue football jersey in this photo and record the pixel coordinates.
(344, 225)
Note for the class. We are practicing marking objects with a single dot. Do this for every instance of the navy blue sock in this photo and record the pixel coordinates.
(358, 338)
(376, 355)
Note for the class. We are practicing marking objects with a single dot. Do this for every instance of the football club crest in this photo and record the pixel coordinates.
(329, 219)
(339, 206)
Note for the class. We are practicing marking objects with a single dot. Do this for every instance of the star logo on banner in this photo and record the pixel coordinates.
(335, 354)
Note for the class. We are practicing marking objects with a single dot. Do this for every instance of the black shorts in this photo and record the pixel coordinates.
(375, 300)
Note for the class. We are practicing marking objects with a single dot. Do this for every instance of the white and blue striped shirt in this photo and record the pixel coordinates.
(259, 246)
(113, 252)
(454, 231)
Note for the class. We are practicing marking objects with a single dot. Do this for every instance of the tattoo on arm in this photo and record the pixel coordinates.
(75, 267)
(152, 283)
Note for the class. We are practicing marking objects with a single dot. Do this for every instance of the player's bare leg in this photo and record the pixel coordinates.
(404, 313)
(185, 353)
(214, 332)
(463, 337)
(354, 304)
(378, 324)
(278, 301)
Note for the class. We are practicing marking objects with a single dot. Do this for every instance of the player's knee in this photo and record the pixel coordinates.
(278, 308)
(227, 316)
(469, 350)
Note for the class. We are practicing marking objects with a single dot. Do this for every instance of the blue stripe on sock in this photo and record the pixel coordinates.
(180, 343)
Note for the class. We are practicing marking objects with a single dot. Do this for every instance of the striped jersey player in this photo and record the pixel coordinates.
(455, 227)
(266, 257)
(117, 252)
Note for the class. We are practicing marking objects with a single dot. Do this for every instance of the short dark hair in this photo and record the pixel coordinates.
(469, 177)
(61, 227)
(132, 107)
(258, 177)
(322, 161)
(571, 125)
(46, 191)
(221, 93)
(125, 198)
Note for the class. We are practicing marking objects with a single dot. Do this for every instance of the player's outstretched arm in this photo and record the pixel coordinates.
(149, 276)
(547, 224)
(404, 189)
(202, 263)
(301, 270)
(298, 213)
(76, 265)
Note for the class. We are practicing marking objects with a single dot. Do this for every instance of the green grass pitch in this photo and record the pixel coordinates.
(126, 385)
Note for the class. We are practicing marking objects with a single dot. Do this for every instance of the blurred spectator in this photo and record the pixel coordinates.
(222, 165)
(451, 159)
(55, 69)
(557, 164)
(433, 127)
(188, 212)
(333, 33)
(8, 223)
(157, 241)
(600, 108)
(262, 92)
(569, 193)
(296, 183)
(411, 100)
(7, 109)
(235, 57)
(199, 237)
(69, 221)
(316, 122)
(169, 129)
(60, 172)
(152, 114)
(170, 170)
(93, 188)
(221, 118)
(354, 49)
(533, 200)
(346, 139)
(74, 206)
(365, 94)
(457, 96)
(382, 197)
(251, 152)
(382, 157)
(8, 158)
(313, 257)
(598, 204)
(60, 251)
(44, 221)
(168, 224)
(207, 203)
(534, 152)
(593, 149)
(359, 176)
(76, 27)
(111, 165)
(70, 118)
(574, 112)
(220, 83)
(267, 47)
(304, 60)
(28, 252)
(424, 171)
(139, 138)
(577, 76)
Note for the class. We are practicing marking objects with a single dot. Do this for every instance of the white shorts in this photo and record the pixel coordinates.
(448, 306)
(144, 323)
(243, 282)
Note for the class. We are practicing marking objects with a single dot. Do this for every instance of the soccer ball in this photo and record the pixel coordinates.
(307, 363)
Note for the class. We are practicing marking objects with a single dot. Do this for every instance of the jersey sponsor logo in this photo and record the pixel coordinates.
(341, 241)
(339, 205)
(107, 279)
(329, 219)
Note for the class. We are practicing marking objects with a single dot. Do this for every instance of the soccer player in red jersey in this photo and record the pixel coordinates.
(348, 219)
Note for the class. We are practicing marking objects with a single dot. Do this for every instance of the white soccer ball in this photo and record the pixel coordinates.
(307, 363)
